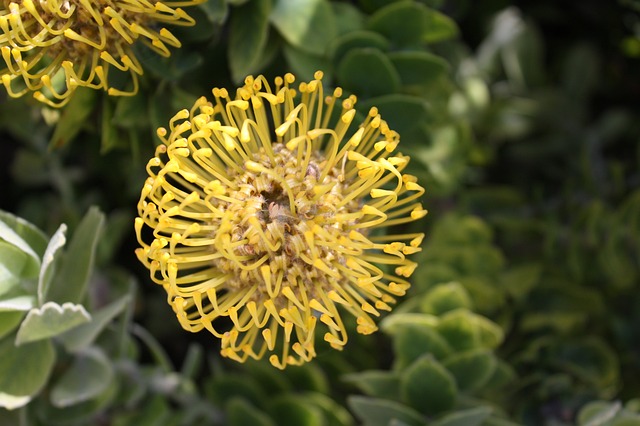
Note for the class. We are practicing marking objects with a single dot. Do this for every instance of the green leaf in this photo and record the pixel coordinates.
(444, 298)
(367, 72)
(439, 27)
(109, 133)
(70, 283)
(348, 17)
(292, 410)
(402, 23)
(428, 387)
(419, 67)
(12, 264)
(465, 330)
(229, 385)
(216, 10)
(598, 413)
(84, 335)
(304, 64)
(307, 24)
(411, 342)
(26, 237)
(402, 112)
(379, 384)
(49, 259)
(17, 303)
(9, 321)
(88, 376)
(241, 413)
(470, 417)
(356, 40)
(248, 31)
(24, 371)
(50, 320)
(74, 116)
(471, 369)
(381, 412)
(333, 412)
(130, 112)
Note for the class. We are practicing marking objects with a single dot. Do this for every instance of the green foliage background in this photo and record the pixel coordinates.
(523, 122)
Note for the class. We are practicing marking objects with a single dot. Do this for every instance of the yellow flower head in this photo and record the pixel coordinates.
(265, 209)
(63, 44)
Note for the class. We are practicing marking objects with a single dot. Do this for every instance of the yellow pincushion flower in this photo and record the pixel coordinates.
(62, 44)
(265, 209)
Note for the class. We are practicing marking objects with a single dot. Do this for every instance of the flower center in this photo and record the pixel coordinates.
(271, 220)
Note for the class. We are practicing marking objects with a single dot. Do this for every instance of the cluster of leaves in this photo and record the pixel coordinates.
(524, 308)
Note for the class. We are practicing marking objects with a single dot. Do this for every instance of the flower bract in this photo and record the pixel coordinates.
(50, 47)
(267, 209)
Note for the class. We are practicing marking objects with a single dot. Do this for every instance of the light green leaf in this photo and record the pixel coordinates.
(26, 237)
(83, 335)
(50, 320)
(444, 298)
(340, 46)
(17, 303)
(307, 24)
(70, 283)
(598, 413)
(12, 264)
(90, 374)
(9, 321)
(48, 267)
(24, 371)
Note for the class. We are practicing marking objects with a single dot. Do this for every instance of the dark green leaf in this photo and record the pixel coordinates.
(402, 23)
(439, 27)
(471, 369)
(379, 384)
(241, 413)
(428, 387)
(130, 112)
(308, 25)
(471, 417)
(402, 112)
(418, 68)
(293, 410)
(304, 64)
(356, 40)
(248, 30)
(74, 116)
(381, 412)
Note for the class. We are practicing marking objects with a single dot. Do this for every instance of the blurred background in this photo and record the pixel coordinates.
(522, 119)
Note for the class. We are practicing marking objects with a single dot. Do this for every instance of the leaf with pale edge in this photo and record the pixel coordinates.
(50, 320)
